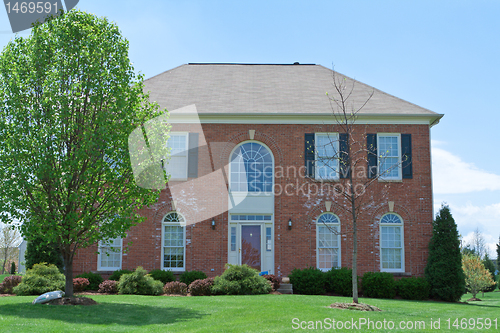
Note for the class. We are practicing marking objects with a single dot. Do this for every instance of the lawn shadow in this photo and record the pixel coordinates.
(102, 313)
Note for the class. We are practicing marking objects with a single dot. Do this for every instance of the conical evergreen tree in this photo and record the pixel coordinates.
(444, 265)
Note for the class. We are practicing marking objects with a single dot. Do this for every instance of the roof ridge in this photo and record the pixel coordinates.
(248, 64)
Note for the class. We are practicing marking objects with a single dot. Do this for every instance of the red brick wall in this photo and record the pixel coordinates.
(294, 248)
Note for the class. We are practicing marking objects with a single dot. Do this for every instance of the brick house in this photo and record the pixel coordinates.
(258, 125)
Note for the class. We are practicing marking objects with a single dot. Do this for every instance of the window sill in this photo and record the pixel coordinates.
(382, 180)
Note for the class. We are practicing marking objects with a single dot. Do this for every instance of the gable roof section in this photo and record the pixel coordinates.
(260, 90)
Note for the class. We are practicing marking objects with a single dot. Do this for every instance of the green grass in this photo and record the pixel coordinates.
(264, 313)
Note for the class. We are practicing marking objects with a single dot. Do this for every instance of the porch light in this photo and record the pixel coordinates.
(213, 224)
(290, 224)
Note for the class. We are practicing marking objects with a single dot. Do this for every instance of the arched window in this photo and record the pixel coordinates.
(328, 241)
(251, 168)
(391, 243)
(173, 241)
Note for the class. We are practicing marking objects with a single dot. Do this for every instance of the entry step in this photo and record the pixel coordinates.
(285, 288)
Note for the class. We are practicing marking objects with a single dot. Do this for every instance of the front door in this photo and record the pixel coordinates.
(251, 246)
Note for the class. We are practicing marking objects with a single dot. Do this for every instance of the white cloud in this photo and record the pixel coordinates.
(450, 174)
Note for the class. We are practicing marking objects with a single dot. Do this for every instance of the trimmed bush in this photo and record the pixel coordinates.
(413, 288)
(189, 277)
(240, 280)
(163, 276)
(80, 284)
(307, 281)
(275, 281)
(117, 274)
(201, 287)
(175, 288)
(10, 282)
(94, 280)
(339, 281)
(139, 283)
(40, 279)
(379, 285)
(108, 287)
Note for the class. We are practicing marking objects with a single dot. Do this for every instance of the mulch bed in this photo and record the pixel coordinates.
(73, 301)
(354, 306)
(473, 299)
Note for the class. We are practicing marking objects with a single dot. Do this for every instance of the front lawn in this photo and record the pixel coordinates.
(264, 313)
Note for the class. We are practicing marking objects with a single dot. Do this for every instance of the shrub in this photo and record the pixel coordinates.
(39, 250)
(94, 280)
(108, 286)
(240, 280)
(10, 282)
(201, 287)
(379, 285)
(139, 283)
(444, 264)
(117, 274)
(189, 277)
(413, 288)
(40, 279)
(80, 284)
(339, 281)
(175, 288)
(308, 281)
(163, 276)
(13, 268)
(1, 288)
(275, 281)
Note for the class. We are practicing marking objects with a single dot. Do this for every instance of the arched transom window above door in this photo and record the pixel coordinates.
(251, 168)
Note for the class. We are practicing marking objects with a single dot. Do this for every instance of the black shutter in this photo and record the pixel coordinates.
(345, 170)
(193, 155)
(406, 159)
(309, 153)
(371, 145)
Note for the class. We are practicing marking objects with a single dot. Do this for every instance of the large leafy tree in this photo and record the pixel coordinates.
(69, 98)
(444, 264)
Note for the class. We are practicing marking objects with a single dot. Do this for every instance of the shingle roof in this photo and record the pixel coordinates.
(265, 89)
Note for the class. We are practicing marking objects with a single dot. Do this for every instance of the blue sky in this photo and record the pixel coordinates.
(441, 55)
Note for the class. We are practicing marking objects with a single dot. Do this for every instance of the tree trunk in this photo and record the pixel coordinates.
(354, 262)
(68, 272)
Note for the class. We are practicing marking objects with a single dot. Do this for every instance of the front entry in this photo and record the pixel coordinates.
(251, 241)
(250, 246)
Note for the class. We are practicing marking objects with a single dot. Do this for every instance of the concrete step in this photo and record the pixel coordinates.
(285, 288)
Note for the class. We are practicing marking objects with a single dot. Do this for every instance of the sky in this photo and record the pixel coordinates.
(441, 55)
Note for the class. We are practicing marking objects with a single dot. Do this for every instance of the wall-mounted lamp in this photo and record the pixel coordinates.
(290, 224)
(213, 224)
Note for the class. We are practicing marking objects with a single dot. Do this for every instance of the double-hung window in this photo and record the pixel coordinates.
(328, 241)
(391, 243)
(177, 165)
(327, 158)
(389, 156)
(174, 240)
(110, 255)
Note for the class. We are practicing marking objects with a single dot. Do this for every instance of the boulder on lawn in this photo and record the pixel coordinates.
(47, 297)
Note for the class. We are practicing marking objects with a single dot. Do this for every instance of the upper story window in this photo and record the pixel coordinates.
(110, 255)
(389, 156)
(251, 168)
(391, 243)
(327, 162)
(177, 165)
(173, 241)
(328, 241)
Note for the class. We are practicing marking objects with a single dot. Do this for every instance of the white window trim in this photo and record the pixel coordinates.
(334, 136)
(230, 174)
(399, 167)
(186, 134)
(99, 256)
(183, 225)
(339, 239)
(393, 270)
